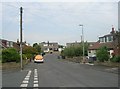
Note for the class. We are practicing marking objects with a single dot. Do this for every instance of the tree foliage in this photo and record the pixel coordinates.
(102, 54)
(29, 51)
(75, 51)
(10, 55)
(37, 47)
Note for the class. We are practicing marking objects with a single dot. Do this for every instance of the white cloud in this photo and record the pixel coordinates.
(60, 0)
(65, 17)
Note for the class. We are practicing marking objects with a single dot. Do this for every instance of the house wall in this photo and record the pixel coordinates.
(47, 47)
(91, 53)
(111, 52)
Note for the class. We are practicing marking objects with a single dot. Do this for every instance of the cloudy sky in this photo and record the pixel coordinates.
(58, 21)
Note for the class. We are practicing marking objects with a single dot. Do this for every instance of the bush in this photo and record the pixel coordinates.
(102, 54)
(116, 59)
(10, 55)
(72, 51)
(28, 55)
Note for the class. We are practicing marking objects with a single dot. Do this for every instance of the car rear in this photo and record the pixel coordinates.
(38, 59)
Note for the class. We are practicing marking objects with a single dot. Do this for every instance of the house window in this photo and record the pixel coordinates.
(7, 44)
(110, 38)
(105, 39)
(11, 44)
(101, 39)
(45, 45)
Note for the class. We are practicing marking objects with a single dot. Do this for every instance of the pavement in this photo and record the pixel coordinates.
(56, 72)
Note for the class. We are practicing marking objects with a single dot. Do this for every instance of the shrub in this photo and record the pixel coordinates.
(28, 55)
(10, 55)
(116, 59)
(72, 51)
(102, 54)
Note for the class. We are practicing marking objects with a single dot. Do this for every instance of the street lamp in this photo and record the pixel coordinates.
(82, 41)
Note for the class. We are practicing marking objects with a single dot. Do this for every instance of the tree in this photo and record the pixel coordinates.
(29, 51)
(35, 44)
(37, 47)
(102, 54)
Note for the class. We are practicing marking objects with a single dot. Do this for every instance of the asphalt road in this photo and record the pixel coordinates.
(58, 73)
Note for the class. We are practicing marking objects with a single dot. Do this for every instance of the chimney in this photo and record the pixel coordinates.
(113, 30)
(17, 41)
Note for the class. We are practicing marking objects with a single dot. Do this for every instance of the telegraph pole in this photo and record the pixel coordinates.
(21, 37)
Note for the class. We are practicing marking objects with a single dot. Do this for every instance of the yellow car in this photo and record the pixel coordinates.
(38, 58)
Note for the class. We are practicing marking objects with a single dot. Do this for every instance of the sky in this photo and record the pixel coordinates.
(58, 21)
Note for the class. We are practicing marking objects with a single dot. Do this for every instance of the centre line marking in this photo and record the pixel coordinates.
(26, 80)
(24, 85)
(35, 85)
(35, 81)
(35, 78)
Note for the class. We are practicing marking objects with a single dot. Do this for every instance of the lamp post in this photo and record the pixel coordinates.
(83, 41)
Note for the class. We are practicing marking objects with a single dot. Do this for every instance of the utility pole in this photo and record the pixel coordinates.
(21, 37)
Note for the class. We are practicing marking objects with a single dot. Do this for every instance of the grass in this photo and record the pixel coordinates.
(13, 65)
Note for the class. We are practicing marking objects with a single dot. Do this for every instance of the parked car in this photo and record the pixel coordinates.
(38, 58)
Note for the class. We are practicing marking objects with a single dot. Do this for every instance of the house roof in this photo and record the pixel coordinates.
(97, 45)
(15, 45)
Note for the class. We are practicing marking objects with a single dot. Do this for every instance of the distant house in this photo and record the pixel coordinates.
(5, 43)
(10, 44)
(73, 44)
(47, 46)
(106, 40)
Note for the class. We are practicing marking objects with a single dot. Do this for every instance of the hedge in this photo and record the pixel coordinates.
(10, 55)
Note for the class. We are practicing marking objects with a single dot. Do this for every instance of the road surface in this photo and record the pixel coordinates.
(58, 73)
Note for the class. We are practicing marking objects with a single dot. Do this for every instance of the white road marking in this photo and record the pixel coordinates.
(25, 82)
(26, 79)
(27, 76)
(35, 85)
(35, 81)
(35, 78)
(23, 85)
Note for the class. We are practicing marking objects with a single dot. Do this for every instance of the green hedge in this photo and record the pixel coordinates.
(10, 55)
(102, 54)
(115, 59)
(72, 51)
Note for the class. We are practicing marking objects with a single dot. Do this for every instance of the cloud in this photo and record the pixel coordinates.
(59, 21)
(60, 0)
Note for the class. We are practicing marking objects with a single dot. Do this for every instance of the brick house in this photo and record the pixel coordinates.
(6, 43)
(107, 40)
(10, 44)
(47, 46)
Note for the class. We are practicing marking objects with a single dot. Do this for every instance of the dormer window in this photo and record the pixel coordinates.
(101, 39)
(110, 38)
